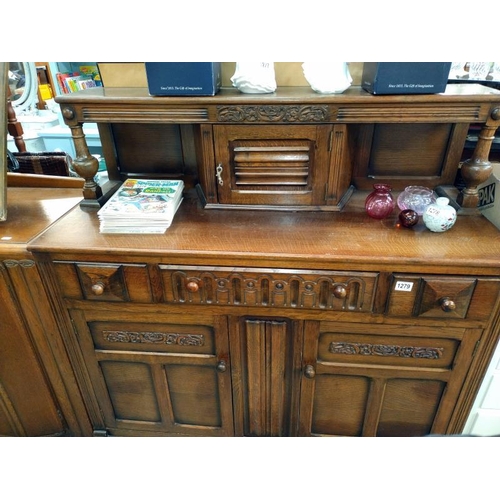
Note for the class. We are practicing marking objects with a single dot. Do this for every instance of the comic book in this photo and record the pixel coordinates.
(141, 206)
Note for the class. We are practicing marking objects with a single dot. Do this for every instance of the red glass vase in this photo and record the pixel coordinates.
(379, 204)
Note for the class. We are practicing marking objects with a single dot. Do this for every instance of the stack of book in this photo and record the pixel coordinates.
(141, 206)
(86, 77)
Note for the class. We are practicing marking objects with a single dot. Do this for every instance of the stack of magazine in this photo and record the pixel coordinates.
(141, 206)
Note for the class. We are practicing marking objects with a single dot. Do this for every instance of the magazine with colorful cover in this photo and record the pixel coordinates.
(142, 205)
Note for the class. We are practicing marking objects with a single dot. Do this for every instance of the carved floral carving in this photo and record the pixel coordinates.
(154, 338)
(270, 113)
(385, 350)
(15, 263)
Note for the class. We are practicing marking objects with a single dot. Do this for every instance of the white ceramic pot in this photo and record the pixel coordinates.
(439, 216)
(327, 77)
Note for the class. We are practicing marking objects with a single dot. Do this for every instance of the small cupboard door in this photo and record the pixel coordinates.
(272, 165)
(266, 375)
(159, 376)
(382, 380)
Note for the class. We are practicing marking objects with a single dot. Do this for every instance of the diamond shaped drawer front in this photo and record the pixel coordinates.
(106, 282)
(445, 297)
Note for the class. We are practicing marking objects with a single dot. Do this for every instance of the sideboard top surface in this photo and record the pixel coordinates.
(227, 95)
(315, 240)
(31, 211)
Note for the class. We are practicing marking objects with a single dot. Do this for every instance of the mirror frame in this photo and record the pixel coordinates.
(28, 100)
(4, 71)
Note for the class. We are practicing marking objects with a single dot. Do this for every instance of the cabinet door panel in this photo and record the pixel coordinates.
(266, 373)
(131, 390)
(147, 337)
(165, 377)
(272, 165)
(194, 395)
(410, 407)
(27, 404)
(381, 380)
(340, 404)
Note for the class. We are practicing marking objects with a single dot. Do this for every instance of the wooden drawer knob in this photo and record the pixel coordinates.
(221, 366)
(340, 291)
(309, 371)
(192, 286)
(447, 304)
(98, 288)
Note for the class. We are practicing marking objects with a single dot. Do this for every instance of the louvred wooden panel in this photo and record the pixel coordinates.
(280, 166)
(283, 166)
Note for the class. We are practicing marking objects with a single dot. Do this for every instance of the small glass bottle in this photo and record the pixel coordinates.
(379, 204)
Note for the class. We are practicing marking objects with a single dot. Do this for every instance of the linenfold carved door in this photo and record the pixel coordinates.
(266, 356)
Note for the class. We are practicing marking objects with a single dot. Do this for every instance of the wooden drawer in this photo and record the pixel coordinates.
(104, 282)
(269, 288)
(442, 296)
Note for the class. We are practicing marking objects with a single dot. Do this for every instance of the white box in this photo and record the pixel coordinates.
(489, 196)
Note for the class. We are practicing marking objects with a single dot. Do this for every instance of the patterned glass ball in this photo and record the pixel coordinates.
(408, 217)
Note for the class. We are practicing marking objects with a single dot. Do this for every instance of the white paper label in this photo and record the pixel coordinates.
(404, 286)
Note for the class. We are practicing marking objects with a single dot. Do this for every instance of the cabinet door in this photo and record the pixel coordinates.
(162, 375)
(382, 380)
(272, 165)
(266, 375)
(27, 404)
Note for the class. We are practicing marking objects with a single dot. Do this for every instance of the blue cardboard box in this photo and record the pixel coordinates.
(405, 77)
(183, 78)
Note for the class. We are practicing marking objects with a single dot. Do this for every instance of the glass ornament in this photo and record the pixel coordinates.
(416, 198)
(379, 204)
(440, 216)
(408, 217)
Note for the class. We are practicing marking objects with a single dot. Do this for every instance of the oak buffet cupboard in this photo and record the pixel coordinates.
(39, 395)
(273, 305)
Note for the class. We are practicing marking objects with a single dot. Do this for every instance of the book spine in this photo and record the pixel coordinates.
(60, 82)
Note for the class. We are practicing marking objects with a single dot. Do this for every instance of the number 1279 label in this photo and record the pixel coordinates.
(403, 286)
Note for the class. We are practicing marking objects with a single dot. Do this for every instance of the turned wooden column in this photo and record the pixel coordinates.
(477, 169)
(14, 128)
(85, 164)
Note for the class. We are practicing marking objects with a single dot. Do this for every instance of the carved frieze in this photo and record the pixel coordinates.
(385, 350)
(153, 338)
(272, 114)
(14, 263)
(272, 290)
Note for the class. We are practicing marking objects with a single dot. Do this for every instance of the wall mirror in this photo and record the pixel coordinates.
(23, 84)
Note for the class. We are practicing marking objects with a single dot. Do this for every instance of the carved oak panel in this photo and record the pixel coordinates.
(281, 113)
(269, 288)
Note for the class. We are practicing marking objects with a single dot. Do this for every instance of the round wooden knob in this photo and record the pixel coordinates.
(68, 113)
(98, 288)
(192, 286)
(447, 304)
(221, 366)
(309, 371)
(340, 291)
